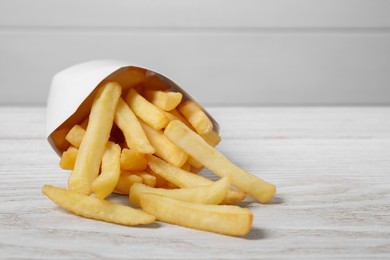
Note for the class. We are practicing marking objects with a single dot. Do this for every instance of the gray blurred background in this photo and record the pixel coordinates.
(252, 52)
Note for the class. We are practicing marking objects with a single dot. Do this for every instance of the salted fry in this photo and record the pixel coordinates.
(134, 134)
(75, 135)
(105, 183)
(95, 208)
(68, 158)
(212, 138)
(147, 179)
(209, 194)
(132, 160)
(162, 99)
(92, 147)
(125, 182)
(145, 110)
(222, 219)
(194, 163)
(195, 115)
(164, 148)
(198, 148)
(184, 179)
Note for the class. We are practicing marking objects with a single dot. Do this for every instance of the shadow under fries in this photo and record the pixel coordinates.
(249, 201)
(256, 234)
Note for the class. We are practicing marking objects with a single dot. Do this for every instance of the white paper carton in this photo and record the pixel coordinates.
(72, 91)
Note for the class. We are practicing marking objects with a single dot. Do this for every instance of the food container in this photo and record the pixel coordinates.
(72, 92)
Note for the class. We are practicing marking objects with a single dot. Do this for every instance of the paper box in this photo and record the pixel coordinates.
(72, 91)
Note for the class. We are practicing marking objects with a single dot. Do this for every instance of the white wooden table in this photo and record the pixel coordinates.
(331, 167)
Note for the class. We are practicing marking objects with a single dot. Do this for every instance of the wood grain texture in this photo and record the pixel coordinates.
(331, 167)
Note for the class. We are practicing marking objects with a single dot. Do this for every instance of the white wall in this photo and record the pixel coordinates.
(222, 51)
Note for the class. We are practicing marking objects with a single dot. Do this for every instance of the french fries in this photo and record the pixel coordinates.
(164, 148)
(222, 219)
(146, 110)
(132, 160)
(209, 194)
(105, 183)
(132, 129)
(92, 147)
(201, 151)
(164, 100)
(75, 135)
(91, 207)
(143, 140)
(184, 179)
(68, 158)
(195, 115)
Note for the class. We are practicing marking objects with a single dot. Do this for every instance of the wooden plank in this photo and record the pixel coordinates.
(200, 14)
(226, 68)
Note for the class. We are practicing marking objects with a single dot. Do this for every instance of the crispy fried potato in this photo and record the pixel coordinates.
(184, 179)
(95, 208)
(147, 179)
(222, 219)
(125, 182)
(196, 116)
(164, 148)
(68, 158)
(132, 160)
(200, 150)
(134, 134)
(105, 183)
(92, 147)
(145, 110)
(209, 194)
(75, 135)
(212, 138)
(164, 100)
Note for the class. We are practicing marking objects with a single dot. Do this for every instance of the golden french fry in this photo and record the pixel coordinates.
(132, 160)
(145, 110)
(68, 158)
(95, 208)
(184, 179)
(92, 147)
(134, 134)
(194, 163)
(164, 148)
(222, 219)
(148, 179)
(212, 138)
(160, 182)
(209, 194)
(131, 78)
(105, 183)
(174, 114)
(125, 182)
(75, 135)
(164, 100)
(196, 116)
(200, 150)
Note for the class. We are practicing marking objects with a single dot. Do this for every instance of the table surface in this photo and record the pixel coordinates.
(331, 166)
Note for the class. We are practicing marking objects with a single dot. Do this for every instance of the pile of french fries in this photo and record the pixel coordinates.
(148, 142)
